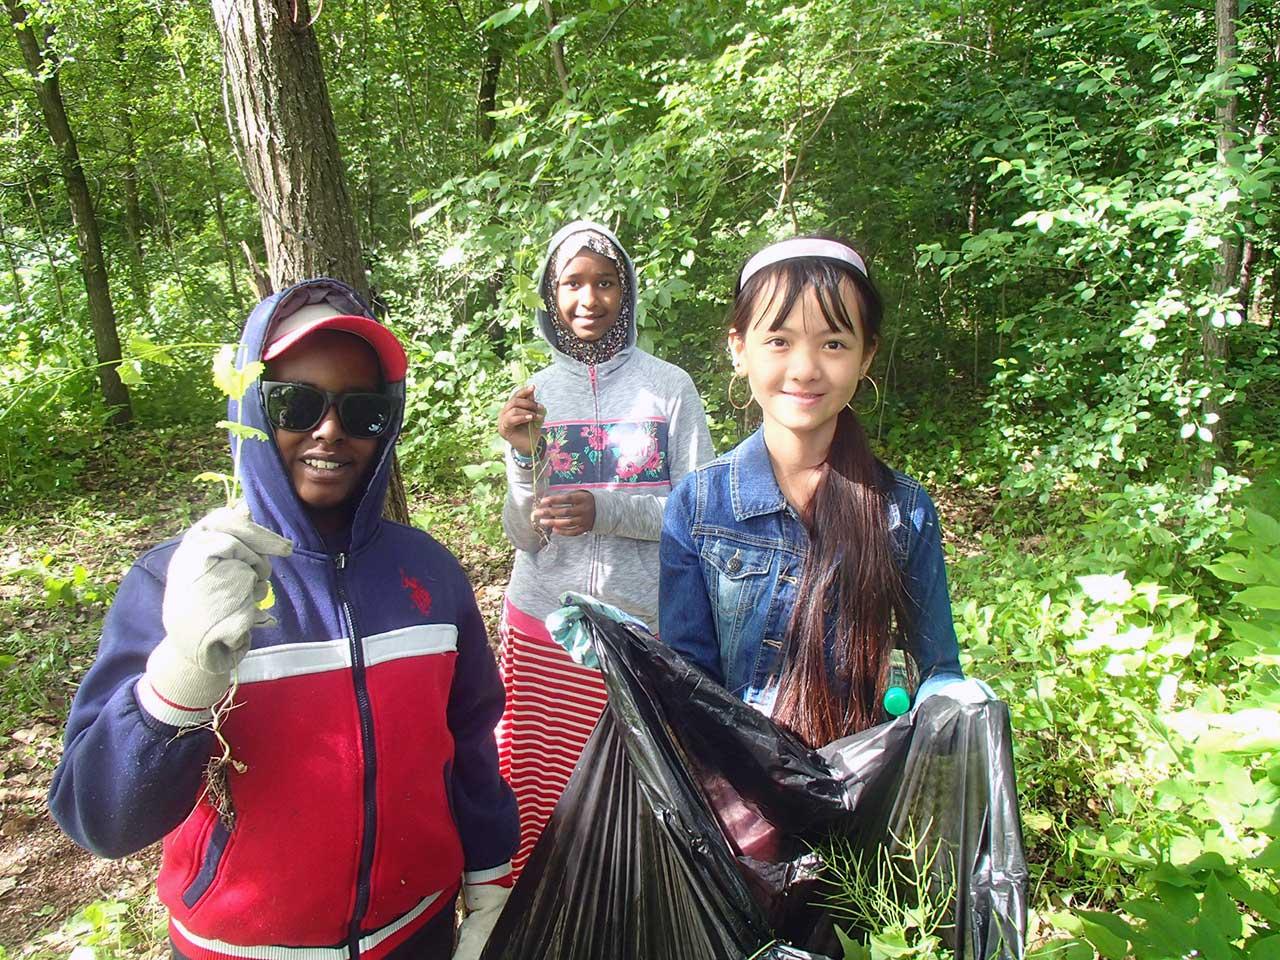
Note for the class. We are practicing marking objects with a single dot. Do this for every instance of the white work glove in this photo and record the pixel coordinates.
(968, 690)
(484, 903)
(217, 577)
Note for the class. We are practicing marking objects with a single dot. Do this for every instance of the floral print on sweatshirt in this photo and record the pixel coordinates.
(608, 454)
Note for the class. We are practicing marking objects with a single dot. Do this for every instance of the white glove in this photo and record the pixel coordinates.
(484, 905)
(217, 576)
(968, 690)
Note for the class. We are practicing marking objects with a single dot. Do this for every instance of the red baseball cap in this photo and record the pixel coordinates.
(320, 316)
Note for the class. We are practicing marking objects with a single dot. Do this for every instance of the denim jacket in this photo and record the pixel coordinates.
(731, 553)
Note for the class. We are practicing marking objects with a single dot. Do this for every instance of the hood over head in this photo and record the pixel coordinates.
(267, 487)
(575, 237)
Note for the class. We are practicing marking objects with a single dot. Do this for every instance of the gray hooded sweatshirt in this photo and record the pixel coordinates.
(626, 430)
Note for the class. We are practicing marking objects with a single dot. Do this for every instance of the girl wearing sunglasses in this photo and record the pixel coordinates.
(366, 792)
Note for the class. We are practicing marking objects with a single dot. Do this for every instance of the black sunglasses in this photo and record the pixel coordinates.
(299, 407)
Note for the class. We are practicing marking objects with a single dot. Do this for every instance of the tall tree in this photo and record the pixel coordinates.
(1227, 272)
(44, 75)
(281, 119)
(282, 123)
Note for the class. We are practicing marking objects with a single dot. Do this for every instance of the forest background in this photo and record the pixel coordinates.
(1072, 209)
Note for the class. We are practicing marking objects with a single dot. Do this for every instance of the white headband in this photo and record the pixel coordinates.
(801, 247)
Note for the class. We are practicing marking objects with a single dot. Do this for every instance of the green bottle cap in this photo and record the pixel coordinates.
(896, 701)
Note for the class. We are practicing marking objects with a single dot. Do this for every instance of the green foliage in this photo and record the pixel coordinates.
(70, 590)
(1146, 764)
(115, 929)
(892, 896)
(1117, 228)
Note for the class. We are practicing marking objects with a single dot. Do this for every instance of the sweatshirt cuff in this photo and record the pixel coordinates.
(499, 876)
(176, 691)
(166, 711)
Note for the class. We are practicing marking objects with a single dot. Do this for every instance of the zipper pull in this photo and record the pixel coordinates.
(340, 561)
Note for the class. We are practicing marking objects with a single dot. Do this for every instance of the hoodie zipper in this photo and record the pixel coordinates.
(592, 589)
(370, 758)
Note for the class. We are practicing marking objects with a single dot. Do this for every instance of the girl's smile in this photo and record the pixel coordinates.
(589, 295)
(801, 369)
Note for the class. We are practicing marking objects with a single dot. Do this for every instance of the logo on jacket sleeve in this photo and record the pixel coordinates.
(417, 592)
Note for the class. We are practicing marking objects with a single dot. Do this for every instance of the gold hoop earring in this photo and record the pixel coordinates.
(739, 378)
(877, 403)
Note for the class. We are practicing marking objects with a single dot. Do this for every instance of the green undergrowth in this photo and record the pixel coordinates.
(1137, 649)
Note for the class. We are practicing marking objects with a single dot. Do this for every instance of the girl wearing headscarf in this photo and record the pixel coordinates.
(595, 442)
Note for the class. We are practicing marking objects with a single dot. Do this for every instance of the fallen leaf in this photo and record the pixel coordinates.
(17, 826)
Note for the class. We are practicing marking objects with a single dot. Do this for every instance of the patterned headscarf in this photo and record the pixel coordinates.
(590, 352)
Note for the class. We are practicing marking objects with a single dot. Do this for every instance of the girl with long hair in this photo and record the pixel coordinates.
(793, 566)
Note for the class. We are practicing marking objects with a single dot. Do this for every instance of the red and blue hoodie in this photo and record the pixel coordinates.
(365, 720)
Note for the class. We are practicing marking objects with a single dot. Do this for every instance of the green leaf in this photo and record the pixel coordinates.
(1260, 597)
(230, 379)
(1108, 933)
(1219, 913)
(1263, 527)
(889, 945)
(212, 476)
(145, 349)
(241, 430)
(1268, 948)
(130, 373)
(852, 949)
(503, 17)
(1269, 858)
(1163, 928)
(1112, 588)
(1234, 568)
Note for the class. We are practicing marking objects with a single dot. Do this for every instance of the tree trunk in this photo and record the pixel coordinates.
(133, 222)
(88, 240)
(166, 234)
(487, 97)
(557, 49)
(1247, 261)
(1213, 344)
(282, 123)
(11, 260)
(280, 118)
(54, 273)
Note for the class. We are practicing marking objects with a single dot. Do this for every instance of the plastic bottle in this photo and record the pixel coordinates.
(897, 695)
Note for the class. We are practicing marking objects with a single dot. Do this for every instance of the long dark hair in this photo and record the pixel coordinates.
(825, 695)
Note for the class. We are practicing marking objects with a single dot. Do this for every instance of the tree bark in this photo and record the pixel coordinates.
(1228, 272)
(58, 293)
(102, 316)
(11, 260)
(134, 225)
(557, 49)
(487, 96)
(281, 120)
(1213, 344)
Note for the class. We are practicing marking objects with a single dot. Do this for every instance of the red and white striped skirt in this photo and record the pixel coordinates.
(552, 707)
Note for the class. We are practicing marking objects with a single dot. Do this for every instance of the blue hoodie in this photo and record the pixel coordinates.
(365, 718)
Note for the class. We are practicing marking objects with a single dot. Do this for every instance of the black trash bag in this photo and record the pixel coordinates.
(690, 826)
